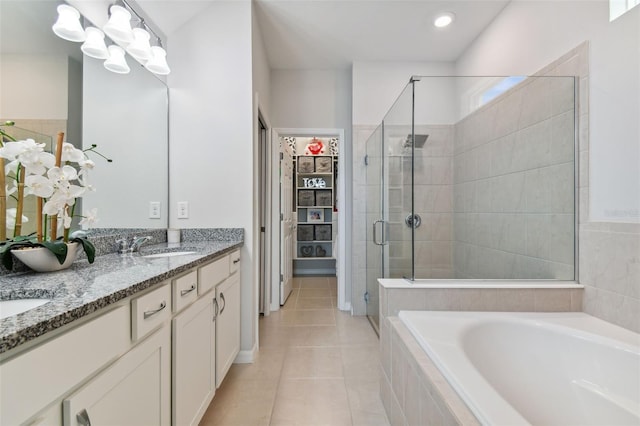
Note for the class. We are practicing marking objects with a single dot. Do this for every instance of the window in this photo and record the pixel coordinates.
(501, 87)
(618, 8)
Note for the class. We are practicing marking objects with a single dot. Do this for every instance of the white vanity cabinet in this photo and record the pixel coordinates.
(194, 346)
(227, 325)
(153, 359)
(134, 391)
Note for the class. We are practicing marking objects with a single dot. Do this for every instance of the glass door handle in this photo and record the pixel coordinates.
(383, 241)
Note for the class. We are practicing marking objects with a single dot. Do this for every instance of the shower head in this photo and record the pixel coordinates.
(419, 141)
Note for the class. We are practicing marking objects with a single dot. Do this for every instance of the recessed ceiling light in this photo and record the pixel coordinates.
(444, 19)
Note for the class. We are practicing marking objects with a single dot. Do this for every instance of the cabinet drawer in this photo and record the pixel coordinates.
(234, 261)
(150, 311)
(184, 290)
(212, 274)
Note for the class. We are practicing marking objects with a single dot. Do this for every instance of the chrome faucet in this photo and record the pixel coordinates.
(134, 246)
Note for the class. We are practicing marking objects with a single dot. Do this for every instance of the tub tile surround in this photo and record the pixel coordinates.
(610, 272)
(85, 288)
(416, 393)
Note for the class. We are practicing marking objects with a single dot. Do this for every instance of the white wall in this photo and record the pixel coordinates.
(528, 35)
(312, 99)
(318, 99)
(211, 134)
(377, 85)
(261, 70)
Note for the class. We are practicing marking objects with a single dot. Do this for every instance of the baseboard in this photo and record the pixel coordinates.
(346, 307)
(246, 356)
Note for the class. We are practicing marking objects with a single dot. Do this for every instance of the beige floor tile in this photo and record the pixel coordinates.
(241, 403)
(311, 402)
(314, 282)
(316, 366)
(315, 335)
(308, 317)
(312, 362)
(315, 303)
(314, 292)
(355, 330)
(274, 337)
(361, 362)
(266, 366)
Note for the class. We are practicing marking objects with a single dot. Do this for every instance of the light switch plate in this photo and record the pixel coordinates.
(154, 209)
(183, 210)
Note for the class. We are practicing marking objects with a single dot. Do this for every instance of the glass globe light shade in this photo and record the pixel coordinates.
(119, 26)
(158, 62)
(68, 26)
(94, 45)
(116, 61)
(140, 47)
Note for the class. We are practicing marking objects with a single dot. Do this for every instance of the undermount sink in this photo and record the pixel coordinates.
(10, 308)
(168, 254)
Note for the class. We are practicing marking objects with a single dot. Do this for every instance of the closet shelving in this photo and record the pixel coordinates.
(315, 195)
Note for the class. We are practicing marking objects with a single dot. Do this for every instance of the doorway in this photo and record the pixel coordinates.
(308, 187)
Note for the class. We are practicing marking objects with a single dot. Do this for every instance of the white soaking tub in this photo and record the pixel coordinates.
(535, 368)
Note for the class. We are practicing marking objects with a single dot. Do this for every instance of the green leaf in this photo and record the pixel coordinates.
(88, 247)
(58, 248)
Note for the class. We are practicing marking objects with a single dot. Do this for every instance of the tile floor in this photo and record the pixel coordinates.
(316, 366)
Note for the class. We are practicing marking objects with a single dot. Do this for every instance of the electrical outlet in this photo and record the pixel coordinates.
(154, 209)
(183, 210)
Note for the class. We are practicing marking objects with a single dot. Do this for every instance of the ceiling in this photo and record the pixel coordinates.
(331, 34)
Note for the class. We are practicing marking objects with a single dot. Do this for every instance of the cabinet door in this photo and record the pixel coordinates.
(193, 361)
(227, 325)
(135, 390)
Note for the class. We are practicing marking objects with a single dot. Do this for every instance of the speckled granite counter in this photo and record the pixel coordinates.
(84, 288)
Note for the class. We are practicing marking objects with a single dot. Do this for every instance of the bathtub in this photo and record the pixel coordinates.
(534, 368)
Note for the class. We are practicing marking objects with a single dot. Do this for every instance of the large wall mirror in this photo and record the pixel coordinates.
(46, 86)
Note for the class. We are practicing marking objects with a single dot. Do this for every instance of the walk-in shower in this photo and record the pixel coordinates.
(468, 178)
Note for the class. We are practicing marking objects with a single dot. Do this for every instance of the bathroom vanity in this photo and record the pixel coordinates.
(131, 339)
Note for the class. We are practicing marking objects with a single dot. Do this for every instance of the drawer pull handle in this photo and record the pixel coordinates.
(236, 261)
(147, 314)
(224, 303)
(216, 309)
(189, 290)
(83, 417)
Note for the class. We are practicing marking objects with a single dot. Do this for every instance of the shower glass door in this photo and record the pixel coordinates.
(389, 200)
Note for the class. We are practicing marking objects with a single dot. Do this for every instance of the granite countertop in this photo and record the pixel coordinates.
(85, 288)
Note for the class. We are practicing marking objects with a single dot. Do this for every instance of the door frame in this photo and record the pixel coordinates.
(341, 258)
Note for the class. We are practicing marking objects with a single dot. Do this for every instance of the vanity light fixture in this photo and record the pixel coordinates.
(94, 45)
(158, 62)
(68, 26)
(116, 61)
(119, 26)
(140, 48)
(444, 19)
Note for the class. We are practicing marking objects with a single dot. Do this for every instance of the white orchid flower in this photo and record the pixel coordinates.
(11, 218)
(55, 204)
(39, 186)
(66, 219)
(11, 166)
(71, 153)
(89, 218)
(30, 152)
(86, 164)
(11, 150)
(62, 176)
(42, 161)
